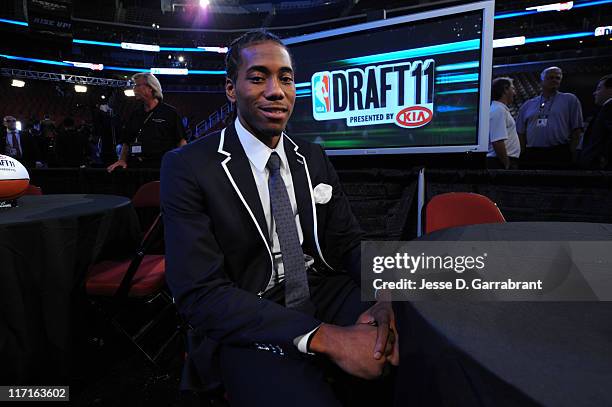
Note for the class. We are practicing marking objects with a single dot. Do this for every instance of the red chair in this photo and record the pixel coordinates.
(458, 209)
(147, 196)
(114, 285)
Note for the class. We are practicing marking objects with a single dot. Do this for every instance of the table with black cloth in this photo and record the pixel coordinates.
(46, 244)
(507, 353)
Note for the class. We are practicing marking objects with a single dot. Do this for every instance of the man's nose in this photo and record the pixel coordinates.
(274, 91)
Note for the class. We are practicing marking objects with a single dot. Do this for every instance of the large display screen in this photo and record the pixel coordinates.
(411, 84)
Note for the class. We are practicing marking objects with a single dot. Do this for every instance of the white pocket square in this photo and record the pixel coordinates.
(322, 193)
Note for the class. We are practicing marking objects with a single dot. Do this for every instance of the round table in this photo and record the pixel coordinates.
(46, 245)
(508, 353)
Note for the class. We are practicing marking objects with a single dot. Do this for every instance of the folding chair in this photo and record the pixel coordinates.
(116, 286)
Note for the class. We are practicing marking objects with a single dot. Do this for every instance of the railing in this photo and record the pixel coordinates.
(214, 119)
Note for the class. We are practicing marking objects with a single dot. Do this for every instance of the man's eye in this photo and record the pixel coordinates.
(256, 79)
(287, 79)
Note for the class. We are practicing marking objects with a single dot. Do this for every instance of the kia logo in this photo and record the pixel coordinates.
(415, 116)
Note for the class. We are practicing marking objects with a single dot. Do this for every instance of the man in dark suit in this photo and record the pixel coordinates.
(17, 144)
(596, 153)
(263, 252)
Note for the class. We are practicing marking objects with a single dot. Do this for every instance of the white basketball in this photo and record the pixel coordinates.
(14, 178)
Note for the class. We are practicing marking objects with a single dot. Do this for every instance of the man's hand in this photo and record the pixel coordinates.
(350, 348)
(119, 163)
(381, 315)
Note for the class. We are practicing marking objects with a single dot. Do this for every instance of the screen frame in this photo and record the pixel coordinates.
(487, 8)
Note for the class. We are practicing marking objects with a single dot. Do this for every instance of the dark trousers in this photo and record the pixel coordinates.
(493, 163)
(258, 378)
(557, 157)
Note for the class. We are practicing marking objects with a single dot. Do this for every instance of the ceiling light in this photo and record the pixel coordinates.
(181, 59)
(17, 83)
(140, 47)
(566, 5)
(169, 71)
(129, 92)
(220, 50)
(80, 88)
(204, 3)
(509, 42)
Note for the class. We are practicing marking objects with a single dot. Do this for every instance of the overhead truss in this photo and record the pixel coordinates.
(59, 77)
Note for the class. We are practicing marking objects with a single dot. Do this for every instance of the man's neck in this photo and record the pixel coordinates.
(270, 141)
(548, 92)
(150, 104)
(504, 101)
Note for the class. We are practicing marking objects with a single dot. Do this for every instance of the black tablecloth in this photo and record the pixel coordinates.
(508, 353)
(46, 245)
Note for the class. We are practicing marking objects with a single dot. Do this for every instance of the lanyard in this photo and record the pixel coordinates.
(142, 126)
(543, 103)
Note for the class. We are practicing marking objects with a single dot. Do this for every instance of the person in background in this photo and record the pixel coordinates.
(504, 145)
(19, 144)
(549, 125)
(71, 145)
(596, 151)
(152, 130)
(46, 141)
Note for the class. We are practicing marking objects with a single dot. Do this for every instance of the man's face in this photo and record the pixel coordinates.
(552, 80)
(510, 93)
(10, 123)
(602, 93)
(264, 90)
(142, 91)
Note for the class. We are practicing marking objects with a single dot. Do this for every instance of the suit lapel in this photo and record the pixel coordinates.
(302, 191)
(242, 176)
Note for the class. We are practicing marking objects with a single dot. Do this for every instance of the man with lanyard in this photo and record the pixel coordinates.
(152, 131)
(549, 125)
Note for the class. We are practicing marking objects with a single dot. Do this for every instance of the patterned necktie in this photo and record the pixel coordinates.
(297, 294)
(16, 145)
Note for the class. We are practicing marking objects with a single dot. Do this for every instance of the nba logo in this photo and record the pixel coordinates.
(320, 92)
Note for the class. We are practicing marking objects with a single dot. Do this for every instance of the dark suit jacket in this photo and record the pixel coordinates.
(597, 141)
(218, 258)
(30, 152)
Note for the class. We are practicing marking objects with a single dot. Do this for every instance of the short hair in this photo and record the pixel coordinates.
(7, 117)
(233, 58)
(499, 86)
(550, 68)
(153, 82)
(607, 81)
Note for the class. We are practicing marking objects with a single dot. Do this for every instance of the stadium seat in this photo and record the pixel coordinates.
(458, 209)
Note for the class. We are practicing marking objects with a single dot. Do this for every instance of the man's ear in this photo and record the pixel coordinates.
(230, 90)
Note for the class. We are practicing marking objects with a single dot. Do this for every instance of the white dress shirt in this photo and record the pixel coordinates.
(9, 141)
(258, 154)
